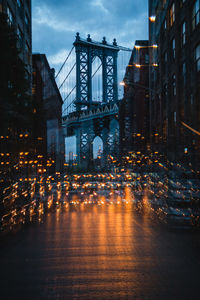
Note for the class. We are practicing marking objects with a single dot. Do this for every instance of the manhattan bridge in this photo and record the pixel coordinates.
(88, 83)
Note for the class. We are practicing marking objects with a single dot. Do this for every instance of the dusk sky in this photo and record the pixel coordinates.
(55, 24)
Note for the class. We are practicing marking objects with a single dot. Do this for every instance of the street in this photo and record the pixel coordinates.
(93, 251)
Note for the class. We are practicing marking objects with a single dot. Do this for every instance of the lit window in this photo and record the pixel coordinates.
(10, 16)
(172, 15)
(196, 14)
(197, 58)
(183, 33)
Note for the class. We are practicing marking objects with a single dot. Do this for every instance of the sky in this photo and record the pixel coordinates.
(55, 23)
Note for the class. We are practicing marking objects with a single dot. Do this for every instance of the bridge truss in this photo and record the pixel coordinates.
(85, 117)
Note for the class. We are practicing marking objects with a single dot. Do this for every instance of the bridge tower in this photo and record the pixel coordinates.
(86, 51)
(94, 118)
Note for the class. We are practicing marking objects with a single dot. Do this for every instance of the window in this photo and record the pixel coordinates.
(197, 58)
(10, 16)
(146, 58)
(173, 49)
(182, 2)
(10, 86)
(184, 72)
(174, 84)
(20, 37)
(165, 24)
(26, 20)
(164, 2)
(196, 14)
(19, 3)
(27, 48)
(192, 99)
(165, 57)
(183, 34)
(174, 116)
(172, 15)
(164, 62)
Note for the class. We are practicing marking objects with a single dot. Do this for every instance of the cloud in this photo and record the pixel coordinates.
(55, 23)
(45, 16)
(59, 57)
(99, 4)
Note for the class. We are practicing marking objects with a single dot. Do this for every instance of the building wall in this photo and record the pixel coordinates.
(176, 81)
(19, 15)
(134, 111)
(46, 94)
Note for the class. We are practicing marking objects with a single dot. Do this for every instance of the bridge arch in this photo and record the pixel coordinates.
(97, 152)
(97, 79)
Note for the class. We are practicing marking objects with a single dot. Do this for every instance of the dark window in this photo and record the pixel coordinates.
(196, 14)
(197, 58)
(183, 34)
(20, 37)
(19, 3)
(28, 53)
(173, 49)
(146, 58)
(10, 16)
(165, 57)
(182, 2)
(174, 84)
(184, 72)
(165, 24)
(26, 20)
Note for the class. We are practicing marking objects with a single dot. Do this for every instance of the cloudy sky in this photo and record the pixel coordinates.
(55, 23)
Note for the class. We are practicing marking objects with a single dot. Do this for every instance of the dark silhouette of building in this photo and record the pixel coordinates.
(15, 86)
(48, 110)
(174, 106)
(19, 15)
(134, 110)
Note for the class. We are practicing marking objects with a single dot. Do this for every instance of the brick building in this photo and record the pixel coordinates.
(174, 106)
(134, 111)
(19, 15)
(48, 108)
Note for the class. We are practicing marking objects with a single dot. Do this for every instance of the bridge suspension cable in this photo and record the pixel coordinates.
(66, 108)
(67, 76)
(67, 83)
(69, 95)
(64, 62)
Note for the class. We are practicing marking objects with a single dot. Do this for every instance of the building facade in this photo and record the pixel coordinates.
(174, 105)
(48, 109)
(134, 110)
(19, 15)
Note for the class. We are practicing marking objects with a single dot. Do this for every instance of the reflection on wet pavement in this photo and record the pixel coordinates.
(93, 251)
